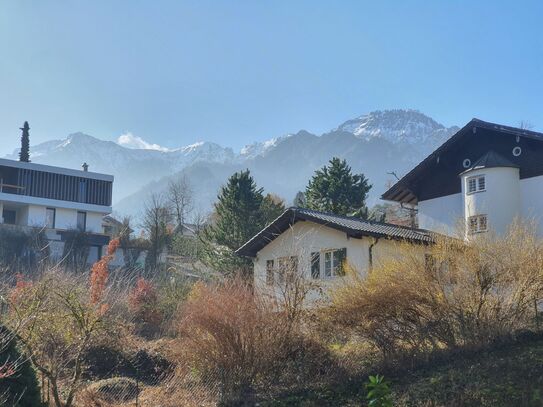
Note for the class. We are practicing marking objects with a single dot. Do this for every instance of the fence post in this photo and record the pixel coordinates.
(536, 315)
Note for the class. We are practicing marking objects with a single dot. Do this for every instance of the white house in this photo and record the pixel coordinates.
(482, 178)
(57, 200)
(316, 245)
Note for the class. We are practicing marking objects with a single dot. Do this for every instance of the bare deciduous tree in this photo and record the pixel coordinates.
(56, 324)
(156, 223)
(180, 197)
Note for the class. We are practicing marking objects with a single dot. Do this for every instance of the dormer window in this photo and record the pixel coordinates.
(476, 184)
(477, 224)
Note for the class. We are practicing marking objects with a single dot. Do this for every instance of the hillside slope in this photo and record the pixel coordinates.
(506, 376)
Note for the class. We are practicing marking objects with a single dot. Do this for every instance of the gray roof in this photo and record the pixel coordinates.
(352, 226)
(491, 160)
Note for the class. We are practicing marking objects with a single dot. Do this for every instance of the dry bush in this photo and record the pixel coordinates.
(231, 336)
(143, 303)
(242, 341)
(457, 294)
(57, 321)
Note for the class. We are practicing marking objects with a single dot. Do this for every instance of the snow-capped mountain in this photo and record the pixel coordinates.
(397, 126)
(262, 147)
(133, 167)
(375, 144)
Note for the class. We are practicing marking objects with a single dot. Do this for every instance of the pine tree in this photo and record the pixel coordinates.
(24, 154)
(335, 189)
(240, 213)
(272, 206)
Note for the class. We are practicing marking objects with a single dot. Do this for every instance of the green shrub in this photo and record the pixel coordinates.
(20, 389)
(379, 394)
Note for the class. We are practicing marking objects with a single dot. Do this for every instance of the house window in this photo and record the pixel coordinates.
(334, 262)
(476, 184)
(269, 272)
(50, 214)
(477, 224)
(82, 221)
(10, 216)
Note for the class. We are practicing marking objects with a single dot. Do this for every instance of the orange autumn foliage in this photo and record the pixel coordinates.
(99, 272)
(6, 370)
(20, 287)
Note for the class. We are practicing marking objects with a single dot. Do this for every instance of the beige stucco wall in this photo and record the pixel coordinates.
(303, 238)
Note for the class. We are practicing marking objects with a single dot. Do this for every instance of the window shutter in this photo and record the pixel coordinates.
(315, 265)
(342, 257)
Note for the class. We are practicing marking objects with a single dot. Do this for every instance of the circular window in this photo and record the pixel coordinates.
(517, 151)
(466, 163)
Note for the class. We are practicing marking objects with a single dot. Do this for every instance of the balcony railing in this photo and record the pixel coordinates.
(10, 188)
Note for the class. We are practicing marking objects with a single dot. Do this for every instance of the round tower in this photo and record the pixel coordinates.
(491, 194)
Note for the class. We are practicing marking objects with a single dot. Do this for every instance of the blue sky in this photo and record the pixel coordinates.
(174, 72)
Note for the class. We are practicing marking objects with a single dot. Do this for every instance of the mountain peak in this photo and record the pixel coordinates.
(397, 125)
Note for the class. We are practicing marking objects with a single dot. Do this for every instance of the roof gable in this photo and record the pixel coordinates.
(482, 136)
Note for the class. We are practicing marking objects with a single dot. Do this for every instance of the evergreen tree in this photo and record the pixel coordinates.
(272, 207)
(24, 154)
(334, 188)
(240, 213)
(20, 389)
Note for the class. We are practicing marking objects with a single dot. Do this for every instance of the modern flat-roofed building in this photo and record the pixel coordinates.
(56, 199)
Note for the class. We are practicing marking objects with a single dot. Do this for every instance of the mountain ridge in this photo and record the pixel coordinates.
(375, 144)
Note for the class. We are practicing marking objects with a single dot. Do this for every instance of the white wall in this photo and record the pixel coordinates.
(303, 238)
(500, 200)
(505, 197)
(531, 200)
(53, 203)
(34, 215)
(94, 222)
(441, 214)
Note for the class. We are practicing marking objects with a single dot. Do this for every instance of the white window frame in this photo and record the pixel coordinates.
(334, 264)
(477, 180)
(480, 224)
(50, 223)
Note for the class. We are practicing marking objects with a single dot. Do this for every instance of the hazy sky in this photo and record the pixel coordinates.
(174, 72)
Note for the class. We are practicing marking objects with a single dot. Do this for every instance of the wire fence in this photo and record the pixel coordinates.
(167, 391)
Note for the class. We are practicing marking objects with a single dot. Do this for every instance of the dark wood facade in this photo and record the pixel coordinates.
(438, 174)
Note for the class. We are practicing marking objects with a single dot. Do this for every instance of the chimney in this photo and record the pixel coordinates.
(85, 167)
